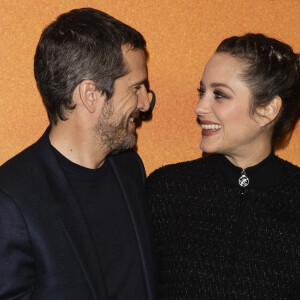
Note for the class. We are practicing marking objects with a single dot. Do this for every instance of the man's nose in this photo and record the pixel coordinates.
(143, 100)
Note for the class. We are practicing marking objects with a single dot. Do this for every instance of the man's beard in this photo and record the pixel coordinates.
(112, 131)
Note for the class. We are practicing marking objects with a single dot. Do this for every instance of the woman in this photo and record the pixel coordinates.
(227, 226)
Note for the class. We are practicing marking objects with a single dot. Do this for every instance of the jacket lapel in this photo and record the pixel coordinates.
(134, 201)
(72, 219)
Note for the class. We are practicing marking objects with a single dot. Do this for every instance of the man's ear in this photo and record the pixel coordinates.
(89, 95)
(268, 113)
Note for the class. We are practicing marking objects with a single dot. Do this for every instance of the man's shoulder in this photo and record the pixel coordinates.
(23, 168)
(19, 163)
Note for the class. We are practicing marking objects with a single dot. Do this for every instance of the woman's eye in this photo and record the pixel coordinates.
(219, 95)
(200, 92)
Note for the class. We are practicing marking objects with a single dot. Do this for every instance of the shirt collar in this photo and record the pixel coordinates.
(268, 172)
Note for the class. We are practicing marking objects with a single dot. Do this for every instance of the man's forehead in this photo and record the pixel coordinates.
(131, 54)
(136, 65)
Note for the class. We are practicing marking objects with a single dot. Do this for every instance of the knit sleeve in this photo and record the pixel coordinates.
(156, 190)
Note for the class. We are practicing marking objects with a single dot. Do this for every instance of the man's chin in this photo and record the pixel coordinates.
(125, 146)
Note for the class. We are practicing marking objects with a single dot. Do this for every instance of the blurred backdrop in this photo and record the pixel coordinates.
(181, 36)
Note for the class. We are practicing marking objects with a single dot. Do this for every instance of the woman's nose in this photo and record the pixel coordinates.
(202, 107)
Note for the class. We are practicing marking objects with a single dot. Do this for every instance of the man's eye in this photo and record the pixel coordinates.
(138, 87)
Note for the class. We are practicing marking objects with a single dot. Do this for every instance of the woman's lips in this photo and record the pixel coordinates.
(209, 128)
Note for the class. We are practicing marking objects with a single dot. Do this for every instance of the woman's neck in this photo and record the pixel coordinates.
(250, 158)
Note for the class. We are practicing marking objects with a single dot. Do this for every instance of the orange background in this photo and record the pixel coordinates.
(181, 36)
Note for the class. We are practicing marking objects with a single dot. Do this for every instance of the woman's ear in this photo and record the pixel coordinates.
(267, 114)
(89, 95)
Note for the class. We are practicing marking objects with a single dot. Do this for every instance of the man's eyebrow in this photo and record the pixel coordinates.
(139, 83)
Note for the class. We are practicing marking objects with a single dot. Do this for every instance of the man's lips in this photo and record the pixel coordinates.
(134, 115)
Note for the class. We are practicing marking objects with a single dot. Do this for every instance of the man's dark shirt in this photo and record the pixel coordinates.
(101, 201)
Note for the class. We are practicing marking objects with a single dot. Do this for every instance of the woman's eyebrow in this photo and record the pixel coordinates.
(217, 84)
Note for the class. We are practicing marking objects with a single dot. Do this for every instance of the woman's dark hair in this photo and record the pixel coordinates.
(81, 44)
(271, 69)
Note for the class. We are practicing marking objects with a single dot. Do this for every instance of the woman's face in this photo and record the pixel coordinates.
(223, 110)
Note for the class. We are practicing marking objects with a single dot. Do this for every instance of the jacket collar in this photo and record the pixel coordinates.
(138, 214)
(71, 215)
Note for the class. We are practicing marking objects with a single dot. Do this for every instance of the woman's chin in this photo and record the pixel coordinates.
(207, 148)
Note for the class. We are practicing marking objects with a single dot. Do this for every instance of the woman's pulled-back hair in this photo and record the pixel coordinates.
(271, 69)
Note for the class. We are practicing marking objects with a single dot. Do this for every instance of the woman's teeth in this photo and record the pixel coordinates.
(211, 126)
(131, 119)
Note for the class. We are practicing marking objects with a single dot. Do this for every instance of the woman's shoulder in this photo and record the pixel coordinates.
(192, 168)
(289, 168)
(169, 186)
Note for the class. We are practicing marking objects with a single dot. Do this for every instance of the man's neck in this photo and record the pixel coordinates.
(77, 145)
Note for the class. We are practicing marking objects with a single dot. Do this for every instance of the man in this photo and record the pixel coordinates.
(73, 223)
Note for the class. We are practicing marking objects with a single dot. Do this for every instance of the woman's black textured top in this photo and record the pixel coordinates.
(217, 240)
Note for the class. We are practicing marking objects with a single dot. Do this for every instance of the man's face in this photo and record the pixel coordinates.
(116, 127)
